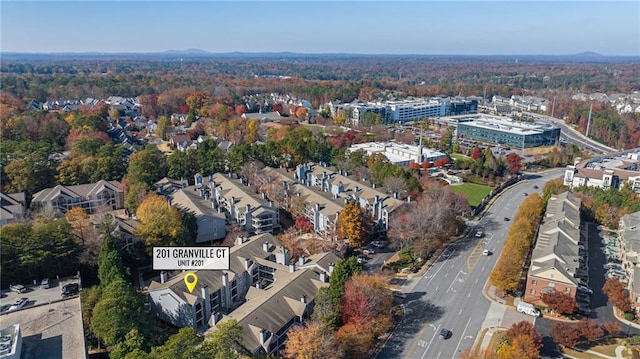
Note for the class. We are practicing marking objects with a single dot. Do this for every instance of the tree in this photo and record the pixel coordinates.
(356, 339)
(476, 153)
(182, 345)
(114, 114)
(611, 328)
(589, 330)
(524, 328)
(513, 163)
(565, 334)
(328, 299)
(133, 342)
(351, 224)
(366, 299)
(312, 340)
(119, 310)
(616, 291)
(162, 128)
(147, 166)
(559, 302)
(521, 346)
(110, 266)
(160, 223)
(79, 221)
(303, 224)
(225, 342)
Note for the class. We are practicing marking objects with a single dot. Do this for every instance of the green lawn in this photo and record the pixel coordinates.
(459, 156)
(474, 192)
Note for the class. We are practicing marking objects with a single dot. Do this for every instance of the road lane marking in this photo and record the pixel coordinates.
(461, 338)
(430, 341)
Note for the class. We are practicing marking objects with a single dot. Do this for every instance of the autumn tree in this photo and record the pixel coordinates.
(303, 224)
(559, 302)
(513, 163)
(356, 339)
(565, 334)
(522, 341)
(611, 328)
(327, 302)
(617, 294)
(312, 340)
(351, 224)
(366, 299)
(589, 330)
(160, 223)
(147, 166)
(162, 127)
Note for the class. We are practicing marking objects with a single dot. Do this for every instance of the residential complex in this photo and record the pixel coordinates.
(92, 197)
(629, 241)
(558, 260)
(507, 132)
(408, 109)
(253, 213)
(323, 193)
(197, 200)
(263, 290)
(398, 153)
(611, 171)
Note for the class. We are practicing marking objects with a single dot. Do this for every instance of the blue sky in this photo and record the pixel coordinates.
(367, 27)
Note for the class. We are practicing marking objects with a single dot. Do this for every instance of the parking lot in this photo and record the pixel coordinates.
(36, 295)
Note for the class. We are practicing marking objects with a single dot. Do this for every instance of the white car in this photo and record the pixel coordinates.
(486, 252)
(586, 289)
(19, 303)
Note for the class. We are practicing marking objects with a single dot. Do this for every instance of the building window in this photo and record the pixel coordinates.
(532, 291)
(567, 290)
(551, 284)
(534, 282)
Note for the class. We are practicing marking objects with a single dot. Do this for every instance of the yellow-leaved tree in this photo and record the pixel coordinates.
(160, 223)
(351, 224)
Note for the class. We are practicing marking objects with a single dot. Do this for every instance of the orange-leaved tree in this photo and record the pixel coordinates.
(160, 223)
(310, 341)
(351, 224)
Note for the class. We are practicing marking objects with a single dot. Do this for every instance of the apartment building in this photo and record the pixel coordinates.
(324, 191)
(92, 197)
(558, 260)
(611, 171)
(233, 196)
(12, 208)
(263, 290)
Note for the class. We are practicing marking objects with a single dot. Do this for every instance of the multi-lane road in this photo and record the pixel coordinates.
(450, 294)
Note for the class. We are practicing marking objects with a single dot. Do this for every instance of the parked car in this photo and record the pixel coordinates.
(506, 219)
(19, 303)
(612, 266)
(70, 289)
(44, 284)
(377, 244)
(18, 288)
(479, 233)
(586, 289)
(486, 252)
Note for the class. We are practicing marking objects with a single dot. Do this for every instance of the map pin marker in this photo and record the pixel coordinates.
(191, 279)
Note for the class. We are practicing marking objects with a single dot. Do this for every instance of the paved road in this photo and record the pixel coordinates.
(576, 137)
(449, 295)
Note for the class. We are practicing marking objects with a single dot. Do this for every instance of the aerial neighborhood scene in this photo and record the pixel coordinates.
(305, 180)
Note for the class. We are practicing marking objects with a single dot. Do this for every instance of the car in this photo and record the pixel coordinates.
(525, 194)
(486, 252)
(507, 219)
(44, 284)
(70, 289)
(19, 303)
(445, 333)
(585, 289)
(479, 233)
(535, 187)
(18, 288)
(369, 251)
(377, 244)
(612, 266)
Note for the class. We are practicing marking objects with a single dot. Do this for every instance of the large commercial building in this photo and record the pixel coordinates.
(507, 132)
(400, 154)
(409, 109)
(611, 171)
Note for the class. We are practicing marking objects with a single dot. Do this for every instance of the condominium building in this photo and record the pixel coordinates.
(558, 260)
(92, 197)
(629, 237)
(264, 290)
(610, 171)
